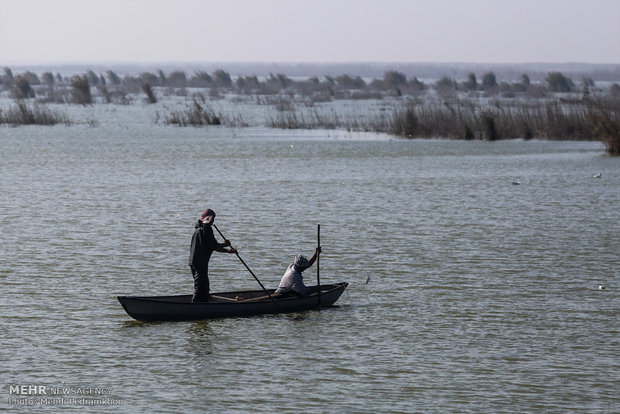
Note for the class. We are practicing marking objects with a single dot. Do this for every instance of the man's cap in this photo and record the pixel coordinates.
(207, 212)
(300, 261)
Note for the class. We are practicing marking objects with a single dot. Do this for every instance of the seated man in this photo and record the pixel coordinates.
(292, 281)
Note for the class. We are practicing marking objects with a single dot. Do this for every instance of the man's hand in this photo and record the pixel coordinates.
(318, 250)
(232, 250)
(226, 243)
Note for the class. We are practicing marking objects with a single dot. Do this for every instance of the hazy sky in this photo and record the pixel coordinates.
(485, 31)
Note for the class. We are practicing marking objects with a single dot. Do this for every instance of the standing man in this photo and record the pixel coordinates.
(203, 244)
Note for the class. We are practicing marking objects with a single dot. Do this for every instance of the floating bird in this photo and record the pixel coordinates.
(597, 175)
(601, 287)
(515, 183)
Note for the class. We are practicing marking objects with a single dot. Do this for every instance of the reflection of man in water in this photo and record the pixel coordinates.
(203, 244)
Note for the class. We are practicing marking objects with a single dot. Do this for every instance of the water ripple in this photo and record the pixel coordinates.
(467, 293)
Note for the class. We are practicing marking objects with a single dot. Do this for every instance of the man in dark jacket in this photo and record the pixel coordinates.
(203, 244)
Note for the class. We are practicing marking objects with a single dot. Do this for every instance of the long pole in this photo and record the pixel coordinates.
(318, 257)
(249, 270)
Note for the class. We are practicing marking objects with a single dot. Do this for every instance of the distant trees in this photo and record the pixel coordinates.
(177, 79)
(525, 80)
(112, 88)
(113, 78)
(7, 78)
(417, 85)
(200, 79)
(347, 82)
(558, 82)
(247, 84)
(446, 85)
(586, 84)
(394, 79)
(278, 81)
(149, 78)
(223, 78)
(489, 83)
(522, 86)
(31, 77)
(93, 79)
(148, 91)
(451, 108)
(48, 78)
(80, 90)
(21, 88)
(471, 84)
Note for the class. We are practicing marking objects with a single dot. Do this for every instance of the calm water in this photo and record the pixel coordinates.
(467, 293)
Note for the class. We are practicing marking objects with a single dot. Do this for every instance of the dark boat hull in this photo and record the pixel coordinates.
(224, 305)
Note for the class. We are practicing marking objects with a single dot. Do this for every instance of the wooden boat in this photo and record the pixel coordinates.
(226, 304)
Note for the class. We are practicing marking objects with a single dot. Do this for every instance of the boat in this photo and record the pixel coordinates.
(226, 304)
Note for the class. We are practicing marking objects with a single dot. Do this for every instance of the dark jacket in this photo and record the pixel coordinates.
(203, 244)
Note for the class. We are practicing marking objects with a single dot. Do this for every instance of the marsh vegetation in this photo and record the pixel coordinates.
(21, 113)
(479, 106)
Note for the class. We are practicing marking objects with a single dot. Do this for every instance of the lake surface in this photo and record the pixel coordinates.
(468, 293)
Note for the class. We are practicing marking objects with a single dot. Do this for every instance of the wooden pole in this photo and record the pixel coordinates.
(318, 278)
(250, 270)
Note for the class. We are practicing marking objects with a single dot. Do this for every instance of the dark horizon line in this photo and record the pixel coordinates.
(327, 62)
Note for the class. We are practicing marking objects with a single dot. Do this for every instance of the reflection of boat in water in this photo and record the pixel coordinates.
(226, 304)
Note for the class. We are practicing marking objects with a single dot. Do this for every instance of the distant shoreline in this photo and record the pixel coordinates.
(481, 105)
(435, 70)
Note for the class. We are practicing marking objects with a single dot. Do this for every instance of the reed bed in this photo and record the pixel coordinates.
(464, 119)
(469, 119)
(313, 120)
(193, 115)
(555, 109)
(35, 114)
(606, 124)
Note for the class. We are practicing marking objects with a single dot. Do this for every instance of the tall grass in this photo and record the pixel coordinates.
(193, 115)
(22, 114)
(582, 119)
(491, 109)
(313, 120)
(472, 119)
(606, 124)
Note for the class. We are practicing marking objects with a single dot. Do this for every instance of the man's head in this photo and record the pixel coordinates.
(300, 262)
(208, 216)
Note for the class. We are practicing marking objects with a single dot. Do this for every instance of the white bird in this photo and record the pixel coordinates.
(597, 175)
(601, 287)
(515, 183)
